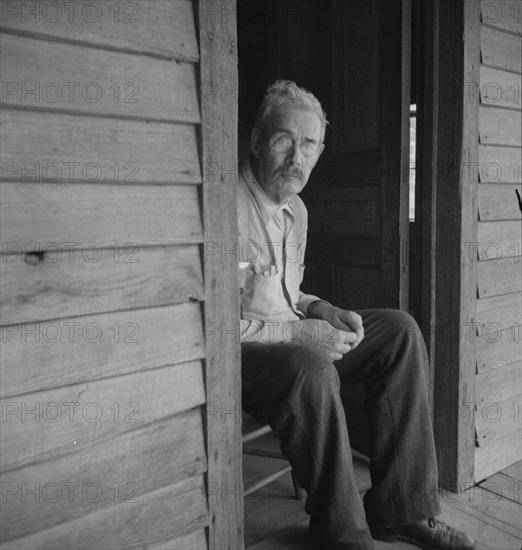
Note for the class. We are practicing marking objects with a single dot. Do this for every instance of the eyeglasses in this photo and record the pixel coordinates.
(283, 144)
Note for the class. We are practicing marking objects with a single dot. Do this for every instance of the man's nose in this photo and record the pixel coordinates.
(296, 154)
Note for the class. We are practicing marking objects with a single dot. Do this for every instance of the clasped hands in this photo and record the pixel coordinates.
(330, 329)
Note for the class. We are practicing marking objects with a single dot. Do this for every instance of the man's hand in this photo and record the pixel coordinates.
(340, 319)
(321, 335)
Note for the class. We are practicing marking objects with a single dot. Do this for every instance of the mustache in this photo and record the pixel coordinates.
(289, 172)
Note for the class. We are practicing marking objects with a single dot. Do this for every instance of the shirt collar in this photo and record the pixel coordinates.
(267, 206)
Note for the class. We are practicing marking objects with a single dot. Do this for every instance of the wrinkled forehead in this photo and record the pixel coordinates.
(291, 111)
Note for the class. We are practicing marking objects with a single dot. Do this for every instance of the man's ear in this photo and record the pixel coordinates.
(255, 142)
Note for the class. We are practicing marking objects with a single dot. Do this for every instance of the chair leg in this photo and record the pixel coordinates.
(297, 490)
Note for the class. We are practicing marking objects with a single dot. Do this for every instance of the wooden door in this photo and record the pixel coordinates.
(358, 198)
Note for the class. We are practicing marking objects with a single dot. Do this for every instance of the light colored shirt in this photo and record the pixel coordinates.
(272, 247)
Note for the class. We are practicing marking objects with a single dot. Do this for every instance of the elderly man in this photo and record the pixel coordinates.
(296, 348)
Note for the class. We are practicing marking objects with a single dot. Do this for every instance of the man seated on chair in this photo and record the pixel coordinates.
(296, 348)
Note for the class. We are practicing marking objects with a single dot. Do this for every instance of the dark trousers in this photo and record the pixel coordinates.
(296, 390)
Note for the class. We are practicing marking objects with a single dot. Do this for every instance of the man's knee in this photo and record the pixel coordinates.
(311, 367)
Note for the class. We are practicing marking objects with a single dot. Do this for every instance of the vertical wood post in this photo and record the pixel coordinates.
(219, 92)
(456, 227)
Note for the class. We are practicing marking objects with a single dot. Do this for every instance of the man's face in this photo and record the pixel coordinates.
(283, 174)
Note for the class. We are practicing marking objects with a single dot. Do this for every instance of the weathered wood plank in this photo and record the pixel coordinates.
(498, 201)
(157, 516)
(505, 486)
(93, 281)
(486, 521)
(499, 240)
(496, 419)
(492, 458)
(60, 148)
(197, 540)
(161, 28)
(502, 277)
(356, 287)
(35, 216)
(500, 88)
(499, 164)
(499, 312)
(498, 349)
(500, 49)
(218, 47)
(500, 126)
(40, 356)
(70, 419)
(514, 471)
(502, 14)
(119, 470)
(499, 385)
(93, 81)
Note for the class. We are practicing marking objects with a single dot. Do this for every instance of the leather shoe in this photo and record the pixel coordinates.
(429, 534)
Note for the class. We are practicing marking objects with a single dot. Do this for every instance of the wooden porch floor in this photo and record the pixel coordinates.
(490, 512)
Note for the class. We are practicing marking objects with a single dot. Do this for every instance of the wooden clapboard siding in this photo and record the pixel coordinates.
(500, 88)
(497, 349)
(197, 540)
(497, 419)
(499, 240)
(501, 50)
(80, 149)
(500, 126)
(151, 457)
(502, 277)
(162, 28)
(65, 284)
(499, 297)
(157, 516)
(149, 88)
(496, 385)
(106, 215)
(505, 450)
(502, 14)
(499, 164)
(498, 201)
(142, 292)
(96, 347)
(142, 398)
(500, 312)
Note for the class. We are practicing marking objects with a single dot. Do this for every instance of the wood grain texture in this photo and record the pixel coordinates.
(354, 211)
(497, 385)
(160, 28)
(496, 419)
(58, 148)
(108, 82)
(502, 277)
(500, 49)
(33, 216)
(157, 516)
(500, 126)
(502, 14)
(500, 312)
(504, 485)
(218, 47)
(58, 429)
(67, 284)
(499, 240)
(499, 164)
(498, 201)
(492, 458)
(500, 88)
(498, 349)
(195, 540)
(119, 470)
(40, 356)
